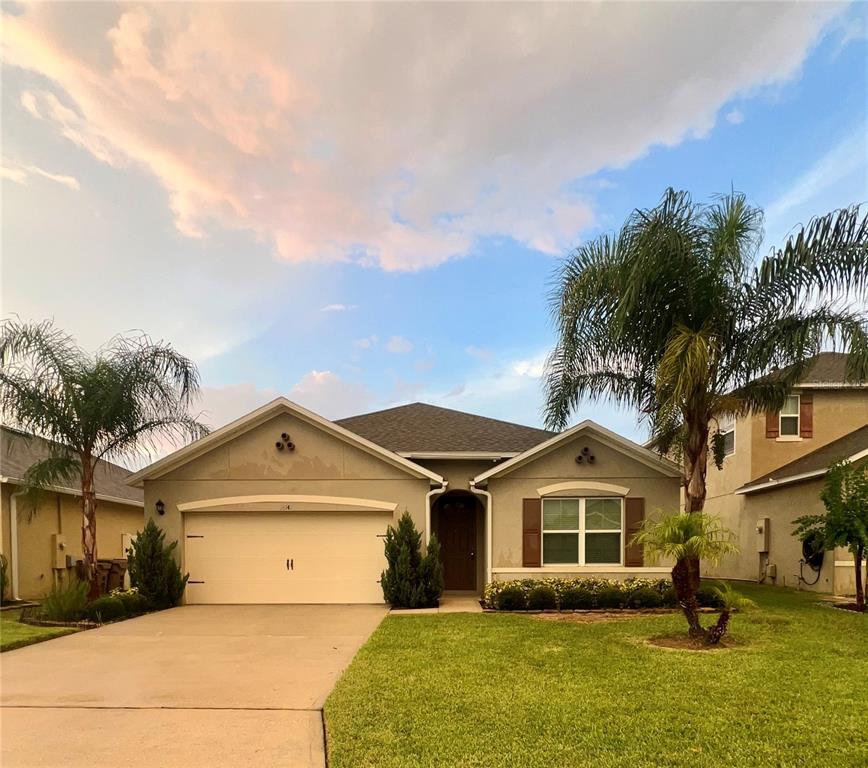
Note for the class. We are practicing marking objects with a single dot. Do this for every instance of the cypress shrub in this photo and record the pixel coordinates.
(411, 580)
(153, 569)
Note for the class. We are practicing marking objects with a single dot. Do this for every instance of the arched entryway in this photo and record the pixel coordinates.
(457, 521)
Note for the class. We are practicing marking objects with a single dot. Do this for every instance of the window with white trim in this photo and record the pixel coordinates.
(726, 429)
(789, 417)
(582, 531)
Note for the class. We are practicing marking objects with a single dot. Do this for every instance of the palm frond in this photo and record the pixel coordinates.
(685, 535)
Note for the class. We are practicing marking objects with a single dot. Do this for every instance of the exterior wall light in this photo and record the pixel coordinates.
(160, 507)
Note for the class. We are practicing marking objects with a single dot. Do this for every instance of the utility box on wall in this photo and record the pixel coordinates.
(762, 534)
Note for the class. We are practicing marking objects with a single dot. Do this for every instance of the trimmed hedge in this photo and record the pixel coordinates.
(587, 593)
(106, 608)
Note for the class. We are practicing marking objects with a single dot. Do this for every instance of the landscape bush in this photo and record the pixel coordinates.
(153, 569)
(4, 566)
(512, 598)
(106, 608)
(134, 603)
(411, 579)
(587, 593)
(542, 598)
(708, 596)
(66, 601)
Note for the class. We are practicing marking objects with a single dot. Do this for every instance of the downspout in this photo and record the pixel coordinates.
(428, 496)
(13, 540)
(488, 532)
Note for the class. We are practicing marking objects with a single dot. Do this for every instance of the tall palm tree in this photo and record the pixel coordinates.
(107, 405)
(674, 317)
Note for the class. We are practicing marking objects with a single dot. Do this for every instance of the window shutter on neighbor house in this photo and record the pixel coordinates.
(531, 535)
(806, 414)
(634, 514)
(772, 424)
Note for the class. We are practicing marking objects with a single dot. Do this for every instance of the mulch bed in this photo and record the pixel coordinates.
(848, 607)
(684, 643)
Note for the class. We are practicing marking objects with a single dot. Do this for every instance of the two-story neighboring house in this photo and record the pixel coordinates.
(774, 471)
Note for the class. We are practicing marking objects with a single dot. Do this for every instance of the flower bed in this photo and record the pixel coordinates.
(584, 594)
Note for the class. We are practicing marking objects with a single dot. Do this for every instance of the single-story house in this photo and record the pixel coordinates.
(285, 506)
(43, 543)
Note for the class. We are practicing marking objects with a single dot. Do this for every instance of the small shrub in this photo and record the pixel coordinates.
(669, 598)
(512, 598)
(411, 580)
(644, 597)
(66, 601)
(542, 598)
(610, 597)
(106, 608)
(708, 596)
(4, 569)
(153, 569)
(134, 603)
(577, 597)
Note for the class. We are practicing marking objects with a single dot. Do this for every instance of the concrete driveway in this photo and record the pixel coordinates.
(192, 686)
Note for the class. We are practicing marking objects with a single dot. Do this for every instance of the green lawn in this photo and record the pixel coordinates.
(13, 634)
(512, 690)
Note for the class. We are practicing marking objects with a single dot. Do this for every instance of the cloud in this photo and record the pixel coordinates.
(20, 173)
(258, 123)
(735, 116)
(480, 353)
(365, 343)
(457, 390)
(327, 394)
(338, 308)
(398, 345)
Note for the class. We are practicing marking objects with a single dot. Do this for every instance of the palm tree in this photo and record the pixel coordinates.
(687, 538)
(108, 405)
(673, 317)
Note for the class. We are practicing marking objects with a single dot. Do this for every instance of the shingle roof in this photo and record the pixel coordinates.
(824, 368)
(816, 461)
(423, 428)
(18, 451)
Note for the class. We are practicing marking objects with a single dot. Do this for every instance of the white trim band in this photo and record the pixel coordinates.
(582, 485)
(342, 501)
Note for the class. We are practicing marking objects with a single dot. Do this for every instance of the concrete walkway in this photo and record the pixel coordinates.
(192, 686)
(448, 604)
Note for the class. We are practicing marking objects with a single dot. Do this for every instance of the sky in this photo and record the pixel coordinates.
(359, 206)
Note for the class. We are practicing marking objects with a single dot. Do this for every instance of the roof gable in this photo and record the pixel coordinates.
(422, 429)
(258, 417)
(824, 370)
(606, 436)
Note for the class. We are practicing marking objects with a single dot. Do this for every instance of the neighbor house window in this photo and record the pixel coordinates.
(790, 416)
(582, 531)
(726, 427)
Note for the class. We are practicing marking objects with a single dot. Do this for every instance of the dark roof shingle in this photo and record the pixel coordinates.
(423, 428)
(824, 368)
(815, 461)
(19, 451)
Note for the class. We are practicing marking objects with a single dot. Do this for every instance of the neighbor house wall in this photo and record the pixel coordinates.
(661, 493)
(836, 412)
(59, 513)
(250, 464)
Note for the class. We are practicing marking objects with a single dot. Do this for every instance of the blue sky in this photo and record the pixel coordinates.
(380, 225)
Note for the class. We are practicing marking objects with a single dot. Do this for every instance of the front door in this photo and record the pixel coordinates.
(457, 535)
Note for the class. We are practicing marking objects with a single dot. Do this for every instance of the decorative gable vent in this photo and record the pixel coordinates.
(284, 443)
(585, 457)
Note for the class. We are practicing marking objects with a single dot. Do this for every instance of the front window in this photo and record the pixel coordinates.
(582, 531)
(790, 416)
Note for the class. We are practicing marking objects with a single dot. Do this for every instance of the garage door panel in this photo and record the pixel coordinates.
(335, 557)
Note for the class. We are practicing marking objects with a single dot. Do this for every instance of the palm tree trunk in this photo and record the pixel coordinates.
(685, 593)
(88, 526)
(860, 589)
(719, 629)
(695, 464)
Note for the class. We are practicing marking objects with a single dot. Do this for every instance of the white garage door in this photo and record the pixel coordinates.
(285, 557)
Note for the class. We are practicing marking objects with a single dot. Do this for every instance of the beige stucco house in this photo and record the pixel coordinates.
(284, 506)
(42, 544)
(774, 470)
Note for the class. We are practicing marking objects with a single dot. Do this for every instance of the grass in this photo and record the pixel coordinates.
(511, 690)
(14, 634)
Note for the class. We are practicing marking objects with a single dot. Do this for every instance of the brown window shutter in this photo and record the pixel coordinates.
(773, 426)
(634, 514)
(531, 534)
(806, 414)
